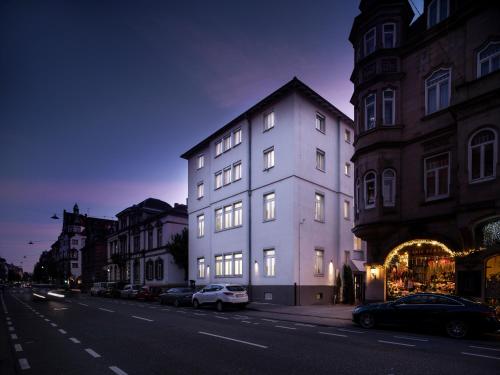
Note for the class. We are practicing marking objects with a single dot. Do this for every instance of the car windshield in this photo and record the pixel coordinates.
(235, 288)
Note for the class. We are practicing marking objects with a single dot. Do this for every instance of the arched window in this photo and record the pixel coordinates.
(159, 269)
(370, 189)
(358, 195)
(482, 155)
(389, 187)
(149, 270)
(437, 91)
(488, 59)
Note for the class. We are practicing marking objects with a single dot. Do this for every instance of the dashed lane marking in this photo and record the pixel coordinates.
(304, 325)
(117, 370)
(141, 318)
(75, 340)
(18, 348)
(270, 320)
(349, 330)
(13, 336)
(103, 309)
(221, 317)
(484, 348)
(92, 353)
(285, 327)
(410, 338)
(23, 363)
(200, 314)
(480, 355)
(47, 320)
(62, 331)
(12, 329)
(231, 339)
(332, 334)
(53, 324)
(83, 304)
(9, 323)
(395, 343)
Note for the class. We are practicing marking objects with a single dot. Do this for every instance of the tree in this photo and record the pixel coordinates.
(178, 247)
(337, 288)
(348, 288)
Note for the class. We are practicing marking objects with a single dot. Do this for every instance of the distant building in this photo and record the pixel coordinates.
(271, 197)
(427, 115)
(136, 251)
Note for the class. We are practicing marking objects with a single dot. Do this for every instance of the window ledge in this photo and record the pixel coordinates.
(481, 180)
(437, 113)
(436, 201)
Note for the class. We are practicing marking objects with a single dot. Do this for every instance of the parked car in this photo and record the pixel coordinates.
(177, 296)
(129, 291)
(98, 288)
(149, 293)
(221, 295)
(113, 289)
(456, 315)
(43, 292)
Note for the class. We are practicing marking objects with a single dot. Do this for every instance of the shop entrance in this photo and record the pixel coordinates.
(419, 266)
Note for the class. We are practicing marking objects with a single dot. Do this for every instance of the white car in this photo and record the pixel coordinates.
(221, 295)
(129, 291)
(98, 288)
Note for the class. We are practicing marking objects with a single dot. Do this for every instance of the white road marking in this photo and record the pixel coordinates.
(394, 343)
(9, 323)
(332, 334)
(42, 316)
(231, 339)
(7, 318)
(23, 363)
(221, 317)
(410, 338)
(76, 341)
(60, 308)
(480, 355)
(111, 311)
(53, 324)
(348, 330)
(304, 325)
(181, 311)
(18, 347)
(484, 348)
(165, 309)
(285, 327)
(47, 320)
(92, 353)
(62, 331)
(146, 319)
(246, 321)
(83, 304)
(117, 370)
(270, 320)
(13, 336)
(11, 329)
(200, 314)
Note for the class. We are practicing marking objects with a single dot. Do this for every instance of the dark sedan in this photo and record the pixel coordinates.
(458, 316)
(177, 296)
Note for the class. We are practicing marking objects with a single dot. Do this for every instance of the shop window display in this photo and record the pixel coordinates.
(420, 268)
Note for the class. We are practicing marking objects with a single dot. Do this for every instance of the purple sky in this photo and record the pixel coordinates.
(99, 98)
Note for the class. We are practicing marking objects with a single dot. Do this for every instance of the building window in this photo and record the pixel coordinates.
(389, 35)
(238, 264)
(482, 155)
(218, 148)
(159, 236)
(269, 158)
(269, 207)
(320, 160)
(347, 169)
(370, 111)
(201, 162)
(370, 189)
(357, 193)
(238, 214)
(201, 268)
(201, 225)
(347, 136)
(227, 142)
(159, 269)
(74, 265)
(319, 259)
(320, 123)
(218, 219)
(237, 171)
(319, 207)
(149, 270)
(228, 264)
(200, 190)
(218, 266)
(370, 41)
(218, 180)
(237, 137)
(389, 107)
(227, 176)
(74, 242)
(437, 11)
(389, 187)
(488, 59)
(228, 217)
(437, 176)
(437, 91)
(270, 262)
(358, 243)
(150, 239)
(347, 210)
(268, 121)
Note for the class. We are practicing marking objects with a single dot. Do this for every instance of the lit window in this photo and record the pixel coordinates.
(218, 266)
(237, 171)
(269, 158)
(437, 11)
(347, 169)
(201, 268)
(218, 180)
(319, 258)
(238, 214)
(228, 264)
(370, 42)
(370, 189)
(319, 207)
(320, 123)
(320, 160)
(269, 206)
(200, 190)
(201, 161)
(347, 210)
(488, 59)
(347, 136)
(237, 137)
(227, 142)
(389, 187)
(218, 148)
(358, 243)
(389, 107)
(268, 121)
(389, 35)
(238, 264)
(437, 176)
(437, 91)
(269, 262)
(370, 112)
(482, 155)
(227, 176)
(201, 225)
(228, 217)
(218, 219)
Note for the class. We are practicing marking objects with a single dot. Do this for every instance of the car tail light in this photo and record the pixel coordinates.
(228, 293)
(489, 314)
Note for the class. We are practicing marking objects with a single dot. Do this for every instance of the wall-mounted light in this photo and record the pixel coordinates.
(373, 273)
(256, 266)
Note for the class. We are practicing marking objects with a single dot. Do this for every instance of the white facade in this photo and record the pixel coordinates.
(307, 252)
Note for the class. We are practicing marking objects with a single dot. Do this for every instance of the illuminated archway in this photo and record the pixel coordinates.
(417, 242)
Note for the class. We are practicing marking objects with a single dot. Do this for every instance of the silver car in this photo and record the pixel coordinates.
(129, 291)
(221, 295)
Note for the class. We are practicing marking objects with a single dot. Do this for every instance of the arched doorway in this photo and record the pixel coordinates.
(492, 287)
(420, 265)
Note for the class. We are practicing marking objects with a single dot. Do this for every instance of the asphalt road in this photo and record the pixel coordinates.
(92, 335)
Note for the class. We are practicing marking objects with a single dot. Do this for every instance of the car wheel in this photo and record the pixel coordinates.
(196, 304)
(456, 328)
(366, 320)
(176, 303)
(219, 306)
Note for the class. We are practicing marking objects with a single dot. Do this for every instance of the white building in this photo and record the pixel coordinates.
(271, 197)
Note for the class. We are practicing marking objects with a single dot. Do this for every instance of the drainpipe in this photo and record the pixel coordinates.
(249, 171)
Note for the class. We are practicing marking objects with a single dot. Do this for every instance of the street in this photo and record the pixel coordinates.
(92, 335)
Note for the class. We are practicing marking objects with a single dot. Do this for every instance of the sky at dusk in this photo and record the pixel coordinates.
(99, 98)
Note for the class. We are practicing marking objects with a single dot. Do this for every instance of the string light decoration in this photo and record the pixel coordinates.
(491, 234)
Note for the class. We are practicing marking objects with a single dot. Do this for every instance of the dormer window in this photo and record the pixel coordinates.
(370, 41)
(437, 11)
(389, 35)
